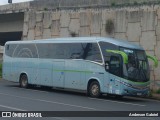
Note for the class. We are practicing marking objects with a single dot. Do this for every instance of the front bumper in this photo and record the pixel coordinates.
(135, 92)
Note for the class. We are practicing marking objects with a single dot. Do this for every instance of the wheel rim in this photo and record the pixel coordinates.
(23, 81)
(95, 89)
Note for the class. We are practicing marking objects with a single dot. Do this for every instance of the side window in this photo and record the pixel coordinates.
(43, 50)
(51, 50)
(92, 52)
(76, 50)
(25, 51)
(107, 46)
(46, 50)
(9, 49)
(59, 51)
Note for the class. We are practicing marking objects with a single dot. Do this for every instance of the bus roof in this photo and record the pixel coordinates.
(118, 42)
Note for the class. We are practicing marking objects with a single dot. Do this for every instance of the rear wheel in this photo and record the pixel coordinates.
(94, 89)
(24, 81)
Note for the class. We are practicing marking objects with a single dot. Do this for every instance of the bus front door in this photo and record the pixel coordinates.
(58, 74)
(115, 70)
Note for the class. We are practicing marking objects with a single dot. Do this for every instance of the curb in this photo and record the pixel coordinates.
(155, 96)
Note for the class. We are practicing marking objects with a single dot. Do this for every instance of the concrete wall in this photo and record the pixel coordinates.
(139, 25)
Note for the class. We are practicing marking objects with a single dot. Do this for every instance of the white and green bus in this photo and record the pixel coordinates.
(95, 65)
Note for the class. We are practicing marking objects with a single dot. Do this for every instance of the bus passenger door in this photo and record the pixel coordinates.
(58, 74)
(115, 70)
(45, 73)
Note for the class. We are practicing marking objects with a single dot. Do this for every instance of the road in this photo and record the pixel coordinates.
(14, 98)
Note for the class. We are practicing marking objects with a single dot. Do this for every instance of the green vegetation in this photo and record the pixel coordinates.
(0, 70)
(154, 92)
(150, 93)
(122, 3)
(113, 4)
(158, 91)
(73, 34)
(135, 3)
(144, 3)
(45, 9)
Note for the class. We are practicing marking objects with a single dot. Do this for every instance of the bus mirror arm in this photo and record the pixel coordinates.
(155, 60)
(107, 66)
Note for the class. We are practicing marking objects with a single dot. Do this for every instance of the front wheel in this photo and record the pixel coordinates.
(94, 89)
(24, 81)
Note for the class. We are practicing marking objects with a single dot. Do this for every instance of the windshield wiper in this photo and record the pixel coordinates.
(143, 73)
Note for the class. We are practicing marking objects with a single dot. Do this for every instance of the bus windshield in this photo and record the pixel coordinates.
(137, 68)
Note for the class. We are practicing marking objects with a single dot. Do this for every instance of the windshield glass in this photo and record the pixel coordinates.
(137, 68)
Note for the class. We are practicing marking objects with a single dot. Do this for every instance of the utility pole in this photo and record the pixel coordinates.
(9, 1)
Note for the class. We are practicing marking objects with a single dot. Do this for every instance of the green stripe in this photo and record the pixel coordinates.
(123, 54)
(137, 83)
(73, 71)
(140, 83)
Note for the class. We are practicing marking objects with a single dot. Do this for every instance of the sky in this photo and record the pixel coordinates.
(4, 2)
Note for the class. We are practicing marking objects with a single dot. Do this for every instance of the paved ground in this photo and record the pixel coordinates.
(13, 98)
(156, 96)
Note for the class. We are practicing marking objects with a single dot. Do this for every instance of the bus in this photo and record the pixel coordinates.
(95, 65)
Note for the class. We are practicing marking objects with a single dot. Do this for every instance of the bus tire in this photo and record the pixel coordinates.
(94, 89)
(23, 81)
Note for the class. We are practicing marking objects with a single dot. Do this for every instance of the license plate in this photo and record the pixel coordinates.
(139, 94)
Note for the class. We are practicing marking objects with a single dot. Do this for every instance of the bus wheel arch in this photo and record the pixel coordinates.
(23, 80)
(93, 88)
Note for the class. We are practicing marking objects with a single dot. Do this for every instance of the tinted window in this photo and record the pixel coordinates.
(46, 50)
(92, 52)
(9, 49)
(25, 51)
(107, 46)
(61, 50)
(141, 55)
(76, 50)
(88, 51)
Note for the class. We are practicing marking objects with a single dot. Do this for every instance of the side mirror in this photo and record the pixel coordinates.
(154, 59)
(107, 66)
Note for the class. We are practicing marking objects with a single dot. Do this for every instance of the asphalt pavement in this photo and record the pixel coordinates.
(14, 98)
